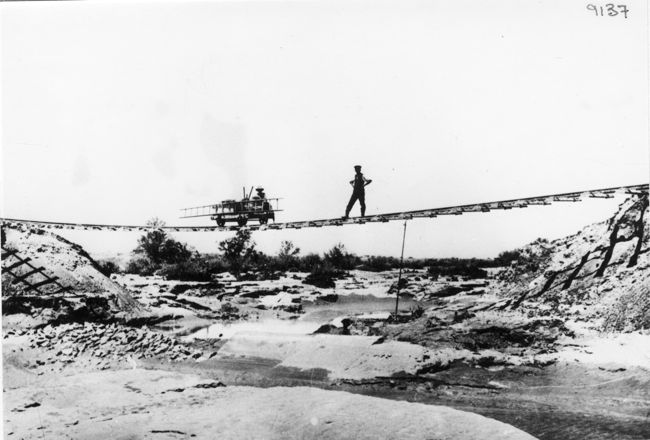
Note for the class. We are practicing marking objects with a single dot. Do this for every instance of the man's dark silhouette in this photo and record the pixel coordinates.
(359, 192)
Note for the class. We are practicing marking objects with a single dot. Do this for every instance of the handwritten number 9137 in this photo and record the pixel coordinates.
(609, 10)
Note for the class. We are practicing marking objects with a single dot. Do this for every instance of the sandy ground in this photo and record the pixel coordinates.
(344, 357)
(154, 404)
(626, 350)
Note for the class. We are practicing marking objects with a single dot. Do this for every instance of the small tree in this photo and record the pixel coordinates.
(288, 255)
(156, 248)
(150, 245)
(238, 251)
(339, 258)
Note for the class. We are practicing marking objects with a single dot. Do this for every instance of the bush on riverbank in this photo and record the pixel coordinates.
(159, 253)
(198, 268)
(324, 276)
(108, 267)
(450, 267)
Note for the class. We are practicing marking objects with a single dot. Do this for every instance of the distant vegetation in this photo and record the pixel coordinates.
(467, 268)
(159, 253)
(197, 268)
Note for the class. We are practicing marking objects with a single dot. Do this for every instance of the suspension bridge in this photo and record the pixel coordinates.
(572, 197)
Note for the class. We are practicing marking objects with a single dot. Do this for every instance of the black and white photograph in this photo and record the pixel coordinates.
(325, 219)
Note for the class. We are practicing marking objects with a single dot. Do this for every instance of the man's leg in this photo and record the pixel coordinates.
(350, 204)
(362, 202)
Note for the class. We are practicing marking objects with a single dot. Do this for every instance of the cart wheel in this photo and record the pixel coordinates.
(264, 220)
(221, 222)
(241, 221)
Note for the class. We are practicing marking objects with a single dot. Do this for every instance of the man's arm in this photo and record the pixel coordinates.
(367, 181)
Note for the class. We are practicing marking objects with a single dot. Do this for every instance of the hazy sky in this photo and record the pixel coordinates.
(118, 112)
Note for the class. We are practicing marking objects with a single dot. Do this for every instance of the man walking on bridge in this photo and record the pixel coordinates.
(359, 192)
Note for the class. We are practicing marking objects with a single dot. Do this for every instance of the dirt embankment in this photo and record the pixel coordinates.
(600, 275)
(48, 279)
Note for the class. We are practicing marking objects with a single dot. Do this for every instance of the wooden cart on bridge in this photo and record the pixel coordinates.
(258, 207)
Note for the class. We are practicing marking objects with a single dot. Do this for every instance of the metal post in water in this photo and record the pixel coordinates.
(399, 278)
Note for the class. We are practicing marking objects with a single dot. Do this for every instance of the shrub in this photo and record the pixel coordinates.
(141, 266)
(309, 262)
(507, 257)
(239, 251)
(229, 309)
(454, 267)
(108, 267)
(199, 268)
(159, 248)
(412, 263)
(287, 256)
(339, 258)
(155, 249)
(187, 271)
(323, 276)
(379, 264)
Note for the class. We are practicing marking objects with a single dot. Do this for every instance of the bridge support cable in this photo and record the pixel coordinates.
(399, 277)
(605, 193)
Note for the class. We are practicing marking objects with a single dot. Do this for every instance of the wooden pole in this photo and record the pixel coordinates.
(399, 278)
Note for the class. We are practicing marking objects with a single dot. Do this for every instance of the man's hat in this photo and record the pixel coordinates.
(357, 167)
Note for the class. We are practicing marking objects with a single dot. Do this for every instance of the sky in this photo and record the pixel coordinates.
(119, 112)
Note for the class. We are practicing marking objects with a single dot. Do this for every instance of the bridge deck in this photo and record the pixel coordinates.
(377, 218)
